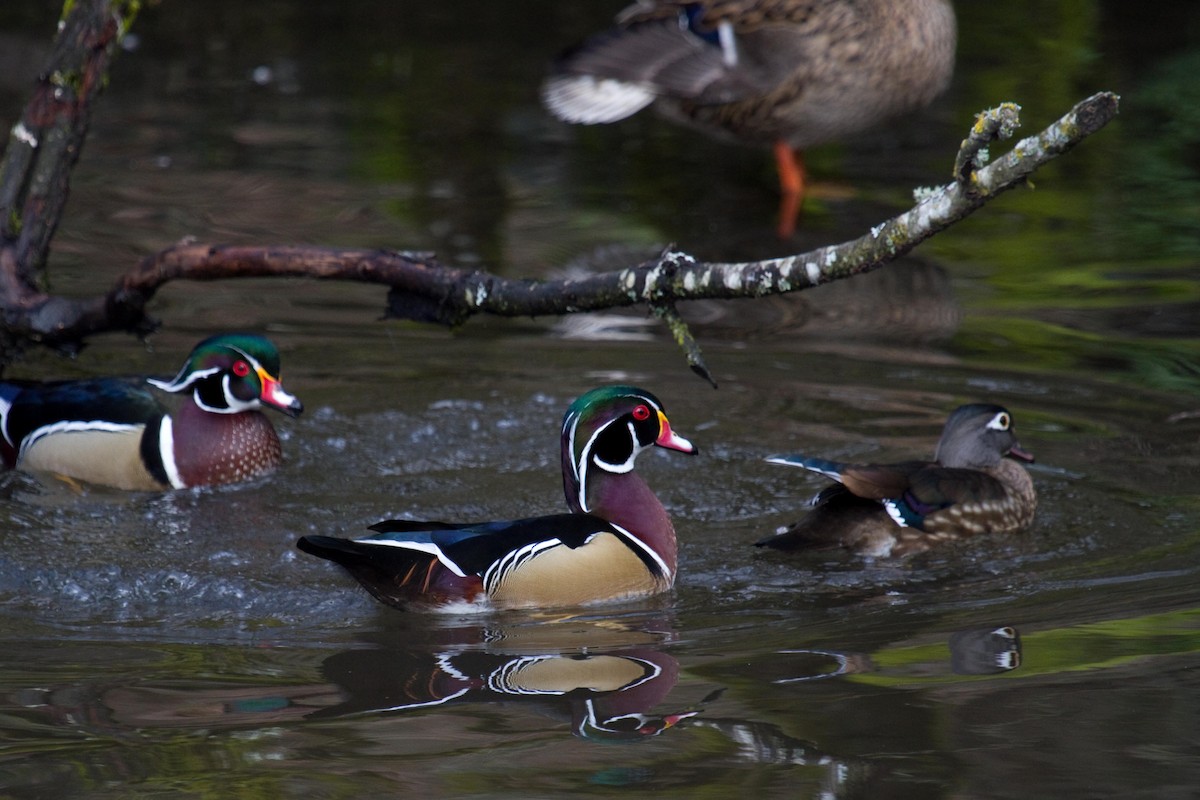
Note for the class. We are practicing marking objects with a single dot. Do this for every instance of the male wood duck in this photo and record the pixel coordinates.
(787, 73)
(115, 432)
(616, 544)
(607, 696)
(972, 486)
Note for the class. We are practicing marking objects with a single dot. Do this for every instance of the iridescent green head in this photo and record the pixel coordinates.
(233, 372)
(605, 429)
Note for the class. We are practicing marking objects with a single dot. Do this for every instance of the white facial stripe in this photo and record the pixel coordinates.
(572, 425)
(253, 362)
(192, 377)
(627, 465)
(236, 405)
(164, 385)
(579, 468)
(233, 404)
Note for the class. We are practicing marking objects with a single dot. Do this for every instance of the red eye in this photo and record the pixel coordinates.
(241, 369)
(641, 413)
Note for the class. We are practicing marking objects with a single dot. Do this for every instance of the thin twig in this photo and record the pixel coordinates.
(992, 125)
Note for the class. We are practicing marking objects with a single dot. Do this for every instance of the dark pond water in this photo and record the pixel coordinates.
(178, 645)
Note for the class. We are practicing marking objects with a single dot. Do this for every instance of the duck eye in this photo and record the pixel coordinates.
(641, 413)
(241, 369)
(1000, 422)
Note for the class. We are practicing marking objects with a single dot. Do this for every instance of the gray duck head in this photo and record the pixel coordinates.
(978, 436)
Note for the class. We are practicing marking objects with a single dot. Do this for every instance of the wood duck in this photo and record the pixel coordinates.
(786, 73)
(617, 543)
(115, 432)
(972, 486)
(607, 696)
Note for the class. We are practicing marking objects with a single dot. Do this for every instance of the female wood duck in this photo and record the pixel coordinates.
(114, 431)
(616, 544)
(972, 486)
(789, 73)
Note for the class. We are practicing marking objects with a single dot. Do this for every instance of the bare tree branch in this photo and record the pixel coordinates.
(42, 149)
(45, 145)
(449, 295)
(425, 290)
(994, 124)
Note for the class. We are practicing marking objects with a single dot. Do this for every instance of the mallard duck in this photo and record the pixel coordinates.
(787, 73)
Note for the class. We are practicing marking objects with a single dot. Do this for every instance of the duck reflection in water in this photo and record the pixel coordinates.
(985, 651)
(608, 696)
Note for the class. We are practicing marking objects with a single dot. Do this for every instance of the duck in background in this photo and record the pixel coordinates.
(790, 74)
(115, 432)
(972, 486)
(617, 543)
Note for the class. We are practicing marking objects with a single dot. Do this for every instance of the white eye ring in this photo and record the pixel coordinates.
(1000, 422)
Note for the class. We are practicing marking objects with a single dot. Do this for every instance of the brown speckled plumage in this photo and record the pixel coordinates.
(826, 69)
(972, 487)
(787, 73)
(1006, 511)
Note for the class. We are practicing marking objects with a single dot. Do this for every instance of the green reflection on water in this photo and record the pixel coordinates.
(1162, 194)
(1073, 648)
(1029, 344)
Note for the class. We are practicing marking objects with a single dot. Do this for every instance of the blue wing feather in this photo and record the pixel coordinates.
(904, 513)
(831, 469)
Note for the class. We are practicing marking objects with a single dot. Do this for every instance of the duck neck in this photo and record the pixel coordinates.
(625, 500)
(1015, 477)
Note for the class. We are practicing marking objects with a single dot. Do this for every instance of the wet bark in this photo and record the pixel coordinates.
(41, 151)
(45, 145)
